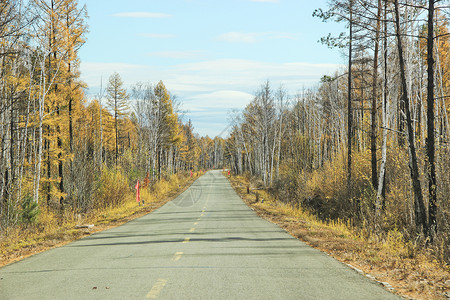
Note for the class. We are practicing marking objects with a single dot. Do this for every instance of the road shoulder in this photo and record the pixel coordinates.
(65, 236)
(412, 278)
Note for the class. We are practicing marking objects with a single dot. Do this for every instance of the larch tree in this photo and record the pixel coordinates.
(73, 31)
(166, 122)
(53, 76)
(75, 28)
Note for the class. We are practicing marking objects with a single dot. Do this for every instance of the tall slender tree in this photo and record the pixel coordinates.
(419, 206)
(117, 101)
(373, 127)
(430, 141)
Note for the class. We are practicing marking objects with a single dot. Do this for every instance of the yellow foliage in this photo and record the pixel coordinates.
(53, 227)
(113, 189)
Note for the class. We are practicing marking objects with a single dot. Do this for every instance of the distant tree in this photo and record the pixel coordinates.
(166, 121)
(158, 124)
(117, 101)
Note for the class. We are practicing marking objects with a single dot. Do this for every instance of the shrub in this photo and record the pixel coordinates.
(112, 188)
(30, 210)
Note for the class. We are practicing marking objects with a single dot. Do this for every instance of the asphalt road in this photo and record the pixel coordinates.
(205, 244)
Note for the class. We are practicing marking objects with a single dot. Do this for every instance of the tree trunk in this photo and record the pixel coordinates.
(419, 206)
(159, 165)
(40, 141)
(381, 180)
(100, 96)
(373, 132)
(349, 103)
(10, 186)
(70, 113)
(116, 130)
(430, 141)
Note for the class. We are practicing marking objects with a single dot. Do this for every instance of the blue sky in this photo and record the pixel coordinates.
(212, 54)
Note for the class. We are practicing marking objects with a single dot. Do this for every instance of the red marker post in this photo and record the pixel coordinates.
(138, 193)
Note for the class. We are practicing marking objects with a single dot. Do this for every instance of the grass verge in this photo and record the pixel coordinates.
(400, 267)
(50, 232)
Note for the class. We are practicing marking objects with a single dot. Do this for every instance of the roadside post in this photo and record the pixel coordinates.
(138, 193)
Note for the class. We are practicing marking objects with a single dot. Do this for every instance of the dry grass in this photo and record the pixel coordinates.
(51, 232)
(408, 268)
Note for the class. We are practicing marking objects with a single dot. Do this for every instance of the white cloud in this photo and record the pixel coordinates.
(212, 75)
(141, 15)
(238, 74)
(253, 37)
(208, 90)
(223, 100)
(178, 54)
(156, 35)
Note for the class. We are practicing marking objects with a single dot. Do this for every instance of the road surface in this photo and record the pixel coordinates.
(205, 244)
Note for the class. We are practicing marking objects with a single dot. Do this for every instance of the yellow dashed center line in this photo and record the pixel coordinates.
(156, 289)
(177, 256)
(192, 230)
(202, 215)
(196, 223)
(186, 240)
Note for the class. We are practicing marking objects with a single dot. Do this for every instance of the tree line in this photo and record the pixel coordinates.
(56, 145)
(371, 143)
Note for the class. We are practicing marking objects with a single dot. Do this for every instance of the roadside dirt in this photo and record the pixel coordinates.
(411, 278)
(69, 235)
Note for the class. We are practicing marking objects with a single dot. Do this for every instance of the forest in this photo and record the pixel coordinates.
(369, 145)
(63, 154)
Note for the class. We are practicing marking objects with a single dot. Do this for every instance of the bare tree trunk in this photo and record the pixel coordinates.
(159, 164)
(60, 167)
(274, 146)
(282, 94)
(116, 125)
(101, 125)
(373, 132)
(25, 137)
(49, 172)
(349, 103)
(431, 168)
(12, 162)
(40, 140)
(385, 109)
(419, 206)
